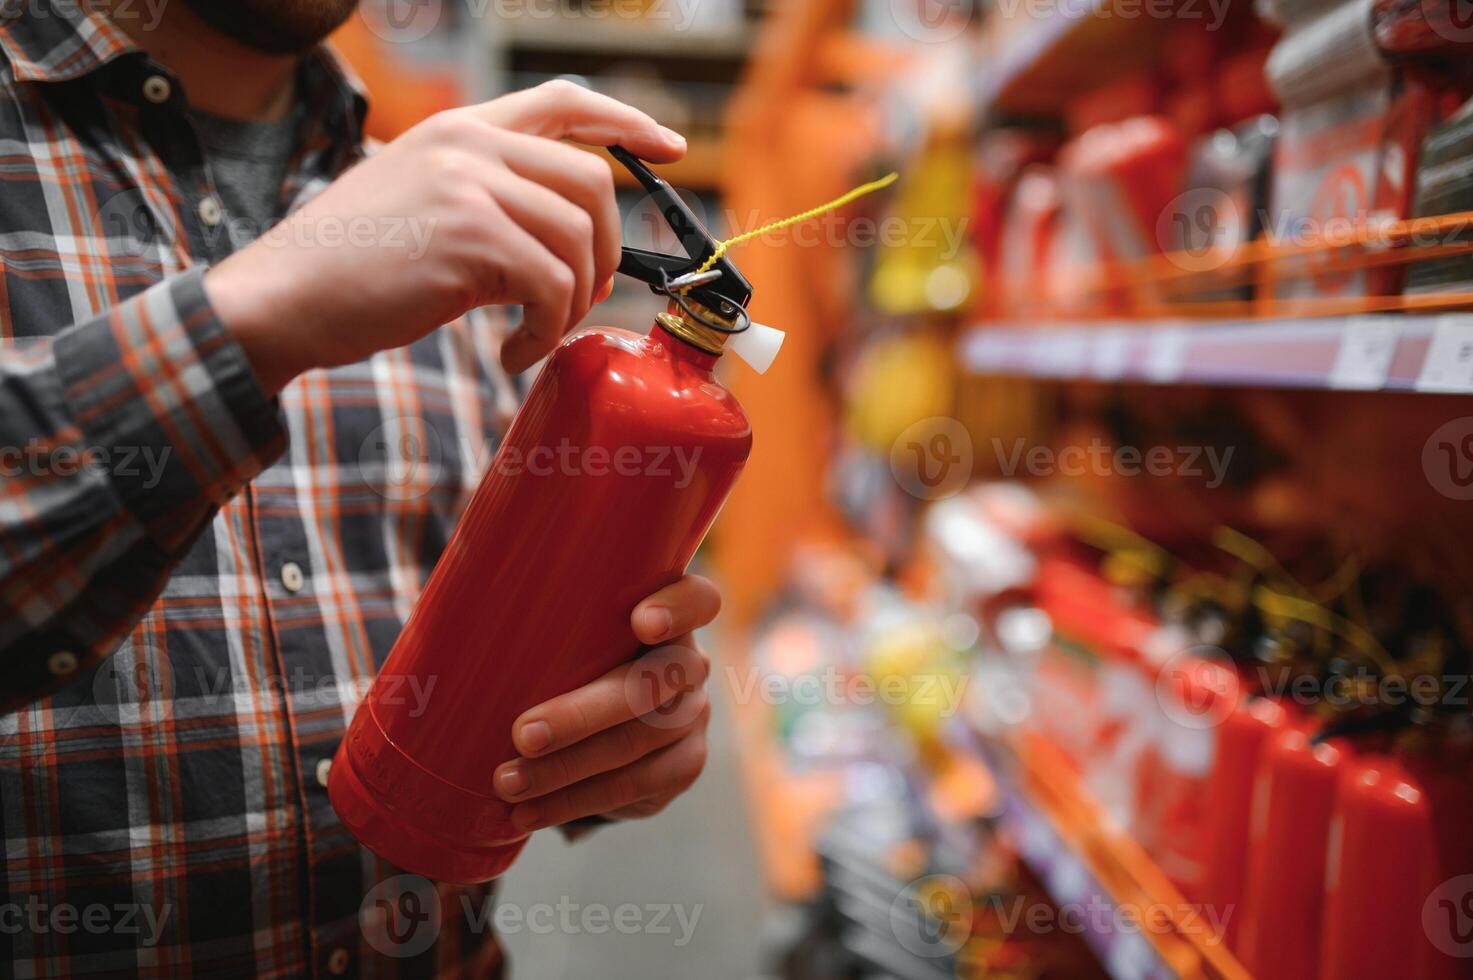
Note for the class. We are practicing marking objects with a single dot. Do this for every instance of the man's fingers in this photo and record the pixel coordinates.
(661, 774)
(579, 176)
(561, 109)
(645, 687)
(544, 286)
(613, 748)
(687, 605)
(561, 226)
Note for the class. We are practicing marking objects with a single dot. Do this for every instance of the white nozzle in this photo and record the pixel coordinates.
(757, 345)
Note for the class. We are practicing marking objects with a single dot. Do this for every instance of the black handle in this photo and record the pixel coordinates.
(655, 268)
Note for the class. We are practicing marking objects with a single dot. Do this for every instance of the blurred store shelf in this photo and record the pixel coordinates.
(643, 37)
(1082, 859)
(1055, 49)
(788, 810)
(699, 169)
(1431, 354)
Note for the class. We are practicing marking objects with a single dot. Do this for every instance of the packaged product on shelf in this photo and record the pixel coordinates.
(1413, 111)
(1350, 133)
(1325, 171)
(1027, 240)
(1118, 179)
(999, 161)
(1135, 95)
(1241, 86)
(1226, 198)
(1189, 61)
(1445, 186)
(1326, 56)
(1335, 91)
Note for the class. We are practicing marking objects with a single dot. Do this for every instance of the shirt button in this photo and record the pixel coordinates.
(156, 89)
(209, 211)
(292, 578)
(324, 769)
(62, 662)
(337, 962)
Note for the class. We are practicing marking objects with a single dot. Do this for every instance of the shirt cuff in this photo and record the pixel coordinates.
(162, 388)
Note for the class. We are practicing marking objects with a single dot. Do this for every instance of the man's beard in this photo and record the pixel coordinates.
(274, 26)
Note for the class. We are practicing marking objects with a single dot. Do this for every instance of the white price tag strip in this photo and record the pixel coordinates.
(1112, 354)
(1366, 351)
(1131, 957)
(1449, 364)
(1168, 355)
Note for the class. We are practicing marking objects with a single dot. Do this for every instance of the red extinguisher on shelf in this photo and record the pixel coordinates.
(1244, 734)
(1284, 893)
(1399, 889)
(607, 481)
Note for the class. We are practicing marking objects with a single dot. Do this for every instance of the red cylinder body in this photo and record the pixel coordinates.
(1196, 697)
(1400, 832)
(1229, 804)
(1283, 901)
(610, 476)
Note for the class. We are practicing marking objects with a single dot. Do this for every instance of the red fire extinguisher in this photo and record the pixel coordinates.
(607, 481)
(1283, 898)
(1229, 804)
(1401, 869)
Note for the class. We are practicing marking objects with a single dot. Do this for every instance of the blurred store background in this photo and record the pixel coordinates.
(1098, 593)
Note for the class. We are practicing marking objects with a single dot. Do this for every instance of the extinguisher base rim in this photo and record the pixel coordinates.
(403, 843)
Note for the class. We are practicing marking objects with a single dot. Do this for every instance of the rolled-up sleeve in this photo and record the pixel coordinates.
(120, 438)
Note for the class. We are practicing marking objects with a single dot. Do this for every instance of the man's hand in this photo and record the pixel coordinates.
(631, 741)
(506, 214)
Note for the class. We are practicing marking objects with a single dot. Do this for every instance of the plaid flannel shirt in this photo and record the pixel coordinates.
(195, 582)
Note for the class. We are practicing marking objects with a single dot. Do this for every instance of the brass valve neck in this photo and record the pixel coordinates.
(682, 325)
